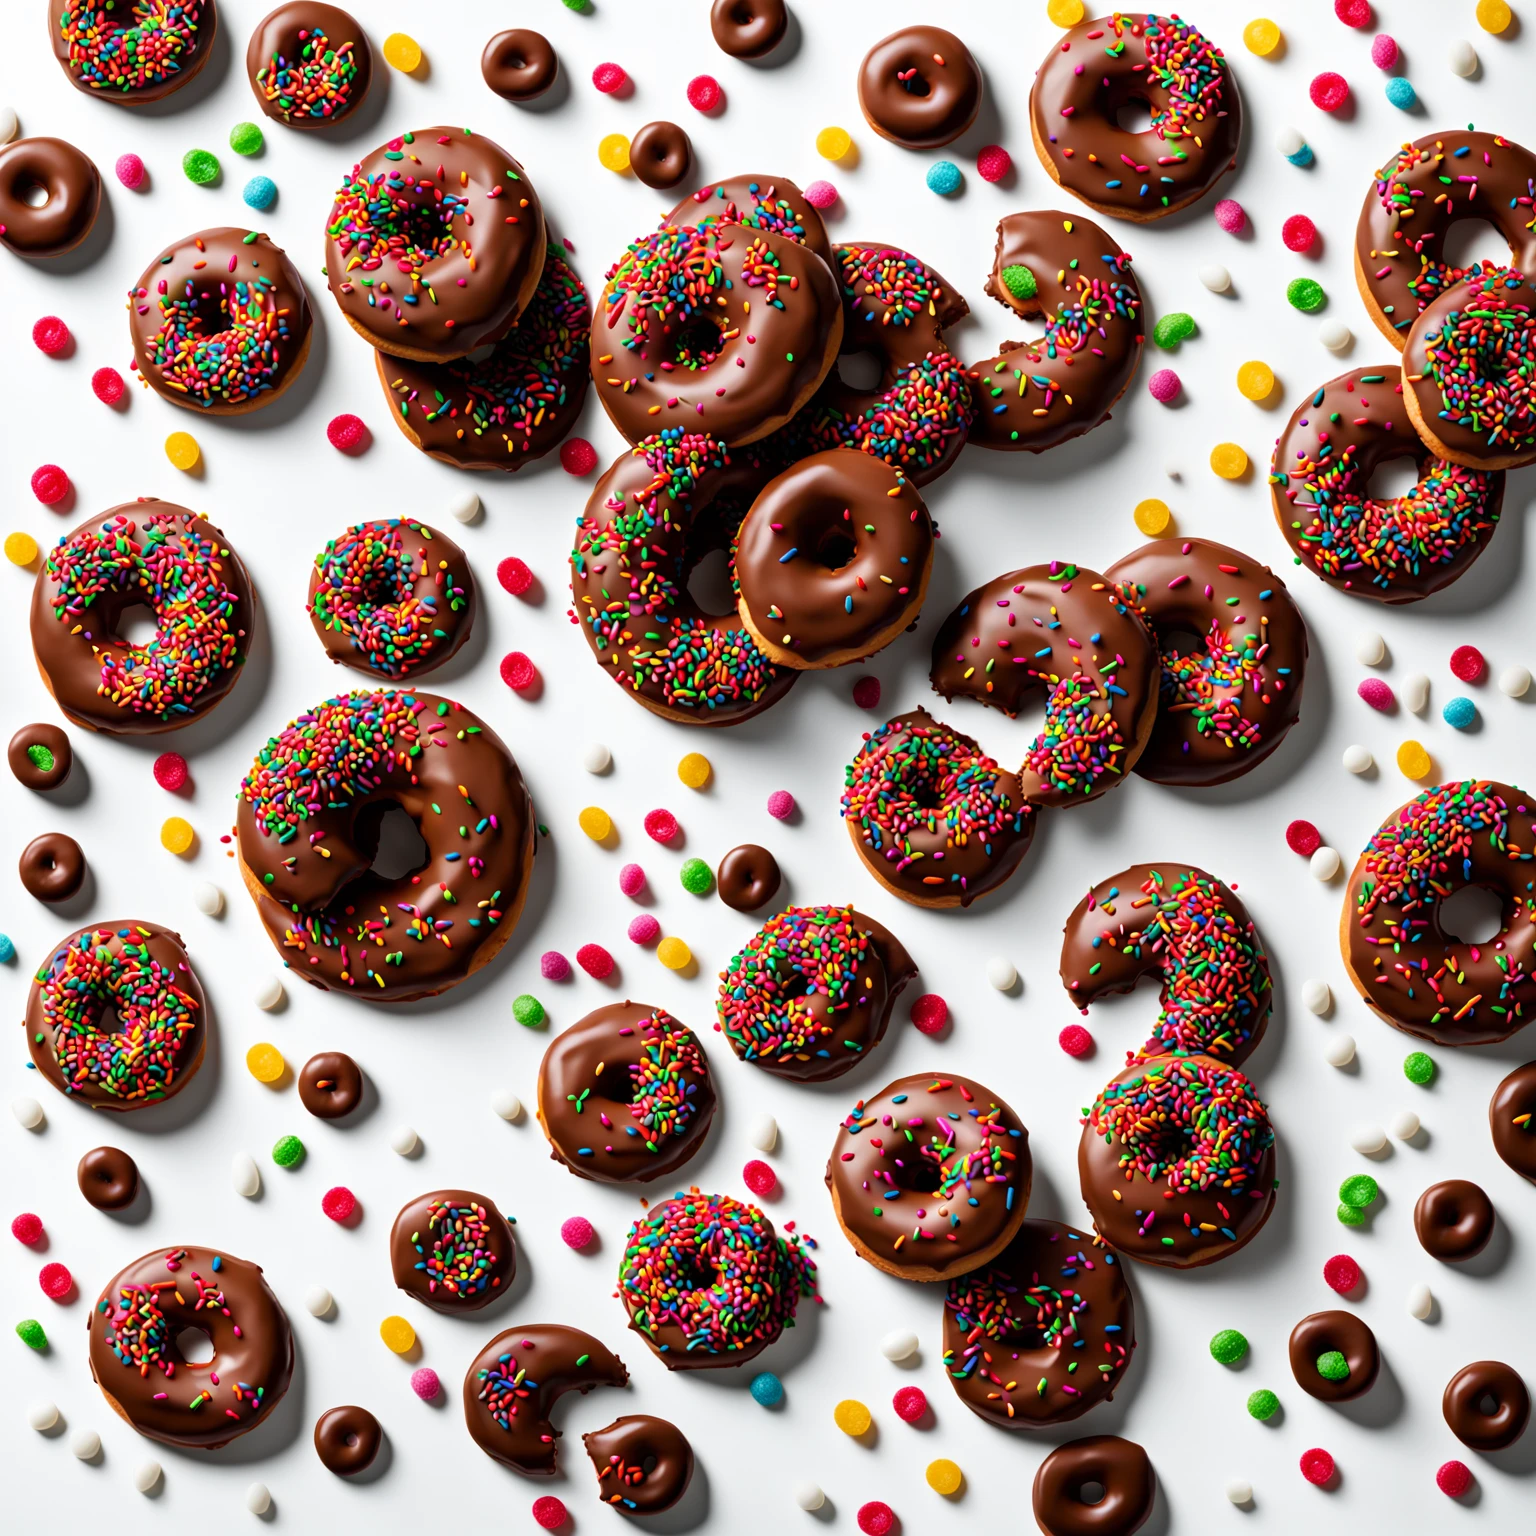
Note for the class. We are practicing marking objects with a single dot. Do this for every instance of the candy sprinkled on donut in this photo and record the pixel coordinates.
(137, 51)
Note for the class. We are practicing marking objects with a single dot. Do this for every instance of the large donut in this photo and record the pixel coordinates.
(1426, 188)
(1224, 707)
(136, 1356)
(131, 53)
(1396, 550)
(1191, 932)
(1065, 270)
(308, 824)
(1063, 631)
(144, 553)
(72, 185)
(1415, 976)
(773, 204)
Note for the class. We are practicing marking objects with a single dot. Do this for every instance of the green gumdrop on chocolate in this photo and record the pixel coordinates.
(1020, 282)
(40, 757)
(1332, 1366)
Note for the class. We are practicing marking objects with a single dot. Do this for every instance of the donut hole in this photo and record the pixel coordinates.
(1468, 241)
(194, 1345)
(1472, 915)
(1091, 1492)
(913, 82)
(1487, 1405)
(1178, 641)
(835, 549)
(861, 370)
(615, 1083)
(398, 846)
(34, 193)
(709, 584)
(1394, 478)
(1134, 115)
(136, 626)
(918, 1175)
(690, 1273)
(648, 1464)
(696, 343)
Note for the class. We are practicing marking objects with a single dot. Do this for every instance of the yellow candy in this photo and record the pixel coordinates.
(694, 770)
(1494, 15)
(1262, 36)
(1229, 461)
(402, 52)
(833, 143)
(852, 1417)
(397, 1334)
(182, 450)
(596, 823)
(674, 954)
(1065, 13)
(1152, 516)
(613, 151)
(20, 548)
(1256, 381)
(176, 835)
(1414, 760)
(265, 1062)
(944, 1476)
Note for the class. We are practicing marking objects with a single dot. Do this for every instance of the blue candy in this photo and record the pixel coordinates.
(944, 177)
(260, 192)
(767, 1389)
(7, 949)
(1400, 93)
(1462, 713)
(1303, 156)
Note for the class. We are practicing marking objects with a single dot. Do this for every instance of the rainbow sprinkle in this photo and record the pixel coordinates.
(455, 1254)
(140, 48)
(317, 84)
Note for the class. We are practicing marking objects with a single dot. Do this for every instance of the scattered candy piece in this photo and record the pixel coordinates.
(288, 1151)
(609, 78)
(515, 575)
(759, 1177)
(10, 124)
(1342, 1273)
(1316, 1465)
(28, 1111)
(466, 509)
(661, 825)
(1460, 713)
(402, 52)
(1172, 329)
(27, 1227)
(596, 758)
(1468, 663)
(768, 1390)
(347, 433)
(86, 1445)
(426, 1386)
(1329, 91)
(32, 1334)
(595, 822)
(130, 171)
(507, 1104)
(1075, 1040)
(833, 143)
(1413, 761)
(1291, 144)
(993, 162)
(528, 1010)
(1239, 1491)
(764, 1134)
(1358, 759)
(246, 139)
(50, 484)
(1263, 1404)
(1152, 516)
(1515, 681)
(697, 878)
(553, 966)
(866, 694)
(50, 335)
(704, 93)
(1370, 648)
(1065, 13)
(1405, 1125)
(1416, 691)
(339, 1203)
(1299, 233)
(20, 548)
(1453, 1478)
(1359, 1191)
(1002, 973)
(944, 178)
(176, 834)
(1163, 385)
(1228, 1346)
(1303, 838)
(1317, 996)
(852, 1417)
(548, 1512)
(170, 771)
(269, 993)
(781, 805)
(147, 1477)
(403, 1141)
(200, 166)
(910, 1403)
(1305, 294)
(1229, 461)
(577, 1232)
(42, 1416)
(1462, 58)
(1367, 1139)
(1419, 1068)
(56, 1281)
(1494, 15)
(674, 954)
(613, 152)
(1353, 13)
(398, 1335)
(260, 192)
(1325, 864)
(245, 1175)
(578, 456)
(821, 194)
(1350, 1217)
(899, 1345)
(1401, 94)
(265, 1062)
(1339, 1051)
(1255, 380)
(695, 770)
(631, 879)
(1377, 694)
(182, 450)
(7, 949)
(1335, 335)
(595, 961)
(876, 1518)
(1421, 1301)
(944, 1476)
(643, 929)
(1261, 36)
(1215, 277)
(518, 671)
(930, 1013)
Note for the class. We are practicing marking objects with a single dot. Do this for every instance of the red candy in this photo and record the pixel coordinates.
(661, 825)
(56, 1281)
(576, 1232)
(1329, 91)
(108, 385)
(759, 1177)
(517, 671)
(1075, 1040)
(1299, 233)
(514, 575)
(595, 961)
(704, 93)
(1353, 13)
(50, 335)
(347, 432)
(50, 484)
(1316, 1465)
(1342, 1273)
(549, 1512)
(338, 1203)
(1303, 838)
(171, 771)
(1377, 694)
(910, 1403)
(930, 1013)
(1467, 663)
(27, 1228)
(1453, 1478)
(993, 163)
(866, 692)
(876, 1518)
(609, 78)
(578, 456)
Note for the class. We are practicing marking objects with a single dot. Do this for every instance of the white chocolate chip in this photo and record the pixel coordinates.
(1367, 1139)
(1326, 863)
(1358, 759)
(1001, 973)
(1405, 1125)
(147, 1478)
(596, 758)
(1216, 277)
(257, 1499)
(86, 1445)
(1318, 996)
(208, 898)
(1240, 1491)
(1371, 649)
(269, 993)
(899, 1345)
(1416, 692)
(467, 508)
(507, 1104)
(319, 1301)
(245, 1175)
(1339, 1051)
(1335, 335)
(1421, 1301)
(404, 1140)
(809, 1497)
(1462, 57)
(28, 1111)
(764, 1134)
(1515, 681)
(9, 125)
(42, 1416)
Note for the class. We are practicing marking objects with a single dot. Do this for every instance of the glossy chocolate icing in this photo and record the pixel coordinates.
(1512, 1120)
(519, 64)
(660, 154)
(1462, 1402)
(130, 52)
(452, 1250)
(108, 1178)
(1325, 1333)
(347, 1439)
(1120, 1467)
(73, 184)
(1453, 1220)
(309, 64)
(747, 29)
(643, 1464)
(330, 1085)
(772, 203)
(52, 867)
(748, 878)
(919, 87)
(40, 756)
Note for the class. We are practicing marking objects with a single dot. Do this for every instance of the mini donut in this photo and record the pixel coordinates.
(108, 1178)
(919, 87)
(40, 756)
(453, 1251)
(748, 878)
(1469, 371)
(1334, 1333)
(519, 64)
(347, 1439)
(67, 215)
(391, 597)
(1041, 1334)
(434, 245)
(707, 1282)
(1067, 271)
(1177, 1161)
(1225, 705)
(1160, 62)
(832, 560)
(513, 1384)
(1062, 630)
(116, 1017)
(1453, 1220)
(1462, 1405)
(770, 203)
(1190, 931)
(330, 1085)
(307, 827)
(643, 1464)
(930, 1177)
(145, 553)
(507, 409)
(52, 867)
(1512, 1120)
(660, 154)
(1121, 1470)
(309, 64)
(1417, 978)
(1427, 187)
(651, 518)
(625, 1094)
(136, 1357)
(747, 29)
(726, 329)
(131, 53)
(1395, 550)
(811, 992)
(934, 819)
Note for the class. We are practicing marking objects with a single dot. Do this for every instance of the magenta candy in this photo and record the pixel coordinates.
(821, 194)
(643, 928)
(781, 805)
(993, 163)
(50, 335)
(1163, 385)
(424, 1383)
(1329, 91)
(609, 78)
(1377, 694)
(130, 171)
(576, 1232)
(1075, 1040)
(759, 1177)
(595, 961)
(704, 93)
(1383, 51)
(631, 879)
(553, 966)
(1467, 663)
(1299, 233)
(1230, 215)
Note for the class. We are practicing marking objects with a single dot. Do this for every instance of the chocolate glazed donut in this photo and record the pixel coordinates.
(347, 1439)
(453, 1251)
(1066, 271)
(660, 154)
(1334, 1356)
(73, 185)
(1462, 1405)
(52, 867)
(748, 878)
(131, 53)
(108, 1178)
(330, 1085)
(1453, 1220)
(919, 87)
(136, 1356)
(643, 1464)
(1512, 1120)
(772, 203)
(309, 64)
(40, 756)
(512, 1385)
(747, 29)
(1120, 1467)
(519, 64)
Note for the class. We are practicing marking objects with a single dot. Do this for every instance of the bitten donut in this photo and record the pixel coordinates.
(1160, 62)
(309, 64)
(919, 87)
(519, 64)
(1415, 976)
(1068, 272)
(1334, 1356)
(150, 554)
(307, 826)
(1224, 706)
(643, 1464)
(116, 1017)
(930, 1177)
(625, 1094)
(747, 29)
(72, 186)
(773, 204)
(716, 327)
(1512, 1120)
(391, 597)
(651, 518)
(810, 993)
(1469, 371)
(1190, 931)
(507, 409)
(1063, 631)
(1486, 1429)
(1177, 1161)
(1396, 549)
(1419, 195)
(136, 1356)
(513, 1384)
(832, 560)
(708, 1283)
(132, 53)
(1122, 1471)
(453, 1251)
(934, 819)
(1041, 1334)
(434, 244)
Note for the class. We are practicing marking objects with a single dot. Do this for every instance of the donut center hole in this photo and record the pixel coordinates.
(427, 234)
(835, 549)
(1091, 1492)
(1178, 641)
(1472, 240)
(860, 370)
(743, 14)
(1487, 1405)
(194, 1346)
(918, 1175)
(1393, 479)
(34, 194)
(401, 849)
(692, 1275)
(696, 343)
(913, 83)
(615, 1083)
(350, 1440)
(1134, 116)
(137, 625)
(1472, 915)
(709, 584)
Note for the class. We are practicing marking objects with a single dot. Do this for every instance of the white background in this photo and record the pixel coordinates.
(278, 490)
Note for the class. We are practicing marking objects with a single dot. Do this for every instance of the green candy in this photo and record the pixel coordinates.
(697, 877)
(40, 757)
(1020, 282)
(1170, 330)
(1359, 1190)
(1332, 1366)
(1419, 1067)
(528, 1010)
(1229, 1346)
(1351, 1217)
(1305, 294)
(201, 166)
(30, 1332)
(246, 139)
(288, 1152)
(1263, 1404)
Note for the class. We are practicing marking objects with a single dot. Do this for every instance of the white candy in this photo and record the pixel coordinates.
(1515, 681)
(1240, 1492)
(1421, 1301)
(507, 1104)
(1462, 58)
(1326, 863)
(1366, 1139)
(404, 1140)
(809, 1497)
(1416, 692)
(42, 1416)
(1001, 973)
(1317, 995)
(1290, 142)
(269, 993)
(1335, 335)
(147, 1478)
(1371, 649)
(86, 1444)
(28, 1111)
(208, 898)
(467, 508)
(318, 1301)
(596, 758)
(257, 1499)
(764, 1134)
(245, 1175)
(899, 1345)
(9, 126)
(1216, 277)
(1339, 1051)
(1358, 759)
(1405, 1125)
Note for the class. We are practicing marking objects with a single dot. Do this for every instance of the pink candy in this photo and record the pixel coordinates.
(1453, 1478)
(930, 1013)
(518, 671)
(424, 1383)
(347, 432)
(993, 163)
(643, 928)
(107, 383)
(661, 825)
(1467, 663)
(704, 93)
(595, 961)
(1303, 838)
(1163, 385)
(1377, 694)
(759, 1177)
(1299, 233)
(514, 575)
(1075, 1040)
(50, 335)
(1230, 215)
(866, 692)
(576, 1232)
(553, 966)
(50, 484)
(1383, 51)
(910, 1403)
(1329, 91)
(821, 194)
(171, 771)
(56, 1281)
(578, 456)
(338, 1203)
(781, 805)
(130, 171)
(1353, 13)
(26, 1228)
(609, 78)
(631, 879)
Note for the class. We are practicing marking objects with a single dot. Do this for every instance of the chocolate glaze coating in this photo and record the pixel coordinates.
(919, 87)
(152, 1385)
(283, 66)
(619, 1453)
(519, 64)
(1104, 64)
(930, 1177)
(347, 1439)
(52, 867)
(625, 1094)
(1043, 1333)
(330, 1085)
(40, 756)
(452, 1250)
(1325, 1333)
(773, 203)
(1512, 1120)
(511, 1423)
(1223, 706)
(1462, 1405)
(748, 878)
(1119, 1466)
(108, 1178)
(747, 29)
(660, 154)
(187, 40)
(1453, 1220)
(73, 184)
